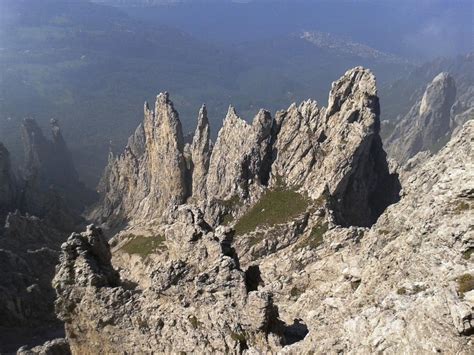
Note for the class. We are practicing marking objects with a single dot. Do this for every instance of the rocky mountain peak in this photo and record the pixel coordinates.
(314, 149)
(150, 175)
(201, 148)
(276, 239)
(48, 161)
(428, 124)
(355, 86)
(439, 96)
(239, 155)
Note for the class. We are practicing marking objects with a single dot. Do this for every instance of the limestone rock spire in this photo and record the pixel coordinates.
(200, 155)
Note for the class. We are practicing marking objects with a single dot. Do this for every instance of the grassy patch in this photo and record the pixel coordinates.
(465, 283)
(467, 254)
(144, 246)
(257, 238)
(316, 237)
(275, 206)
(462, 206)
(229, 205)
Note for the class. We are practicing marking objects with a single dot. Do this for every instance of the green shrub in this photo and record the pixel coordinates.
(462, 206)
(144, 246)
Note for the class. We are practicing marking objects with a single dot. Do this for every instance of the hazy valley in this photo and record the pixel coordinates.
(281, 189)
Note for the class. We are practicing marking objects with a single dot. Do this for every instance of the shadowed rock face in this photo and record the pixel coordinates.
(49, 160)
(7, 186)
(37, 212)
(51, 182)
(336, 151)
(429, 124)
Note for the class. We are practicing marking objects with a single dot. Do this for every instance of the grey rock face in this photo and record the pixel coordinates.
(338, 150)
(201, 149)
(428, 125)
(150, 176)
(197, 301)
(412, 269)
(49, 160)
(30, 250)
(58, 346)
(239, 160)
(335, 151)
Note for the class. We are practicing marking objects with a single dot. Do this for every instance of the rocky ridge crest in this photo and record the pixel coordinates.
(316, 150)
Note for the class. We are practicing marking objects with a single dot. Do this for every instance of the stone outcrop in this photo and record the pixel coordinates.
(198, 300)
(406, 286)
(150, 176)
(58, 346)
(430, 122)
(240, 158)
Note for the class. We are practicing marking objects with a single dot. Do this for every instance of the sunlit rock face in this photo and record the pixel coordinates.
(430, 122)
(335, 151)
(150, 175)
(287, 235)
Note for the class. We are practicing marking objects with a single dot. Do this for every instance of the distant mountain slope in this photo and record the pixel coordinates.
(91, 66)
(401, 95)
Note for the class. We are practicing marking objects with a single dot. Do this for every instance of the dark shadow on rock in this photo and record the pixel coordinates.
(295, 332)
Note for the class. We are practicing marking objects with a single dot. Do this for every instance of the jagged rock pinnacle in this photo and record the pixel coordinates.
(427, 126)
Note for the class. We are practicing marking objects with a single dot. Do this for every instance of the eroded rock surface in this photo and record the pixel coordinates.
(150, 176)
(318, 255)
(198, 300)
(432, 120)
